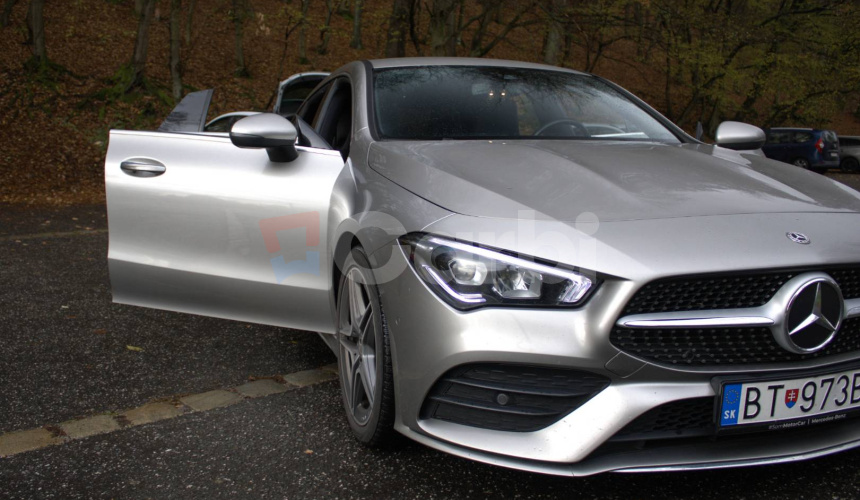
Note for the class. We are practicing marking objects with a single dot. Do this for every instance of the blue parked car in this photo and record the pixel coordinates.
(812, 149)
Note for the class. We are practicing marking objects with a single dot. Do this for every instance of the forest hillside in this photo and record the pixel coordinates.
(71, 70)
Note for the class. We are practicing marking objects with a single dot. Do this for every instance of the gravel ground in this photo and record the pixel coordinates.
(65, 351)
(297, 445)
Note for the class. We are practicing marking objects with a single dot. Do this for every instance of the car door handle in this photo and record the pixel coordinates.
(142, 168)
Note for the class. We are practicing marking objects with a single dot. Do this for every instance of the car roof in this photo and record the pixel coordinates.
(407, 62)
(307, 75)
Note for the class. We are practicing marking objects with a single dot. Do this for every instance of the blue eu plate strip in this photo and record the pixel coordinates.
(731, 405)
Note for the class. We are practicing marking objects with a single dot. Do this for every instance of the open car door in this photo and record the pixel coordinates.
(199, 225)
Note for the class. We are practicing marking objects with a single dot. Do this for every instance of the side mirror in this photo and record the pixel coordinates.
(267, 130)
(739, 136)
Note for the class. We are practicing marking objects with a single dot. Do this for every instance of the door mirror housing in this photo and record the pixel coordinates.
(267, 130)
(740, 136)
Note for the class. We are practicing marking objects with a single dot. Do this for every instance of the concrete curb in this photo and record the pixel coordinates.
(13, 443)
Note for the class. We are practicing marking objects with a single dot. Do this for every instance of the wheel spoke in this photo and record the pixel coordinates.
(357, 389)
(364, 322)
(356, 305)
(367, 369)
(348, 356)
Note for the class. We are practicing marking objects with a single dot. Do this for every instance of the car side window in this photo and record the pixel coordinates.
(334, 123)
(310, 109)
(777, 138)
(801, 137)
(293, 95)
(223, 125)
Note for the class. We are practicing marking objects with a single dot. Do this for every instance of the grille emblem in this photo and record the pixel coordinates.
(812, 317)
(798, 237)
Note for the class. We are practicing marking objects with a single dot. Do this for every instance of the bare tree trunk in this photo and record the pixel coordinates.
(7, 11)
(280, 75)
(175, 42)
(442, 18)
(239, 13)
(303, 33)
(138, 7)
(356, 25)
(413, 27)
(487, 16)
(325, 33)
(141, 45)
(398, 27)
(36, 27)
(555, 32)
(188, 22)
(453, 29)
(567, 47)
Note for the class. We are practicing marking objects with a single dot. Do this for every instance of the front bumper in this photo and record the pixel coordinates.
(429, 338)
(761, 449)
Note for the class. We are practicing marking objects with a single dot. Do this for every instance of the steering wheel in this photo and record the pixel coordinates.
(578, 126)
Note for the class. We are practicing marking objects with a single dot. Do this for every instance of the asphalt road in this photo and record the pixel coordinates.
(65, 355)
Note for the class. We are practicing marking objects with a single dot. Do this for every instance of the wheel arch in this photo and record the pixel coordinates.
(345, 243)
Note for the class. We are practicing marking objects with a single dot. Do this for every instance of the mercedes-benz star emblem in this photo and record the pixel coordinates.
(813, 316)
(798, 237)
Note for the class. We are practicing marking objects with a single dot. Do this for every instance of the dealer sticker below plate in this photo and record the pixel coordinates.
(789, 403)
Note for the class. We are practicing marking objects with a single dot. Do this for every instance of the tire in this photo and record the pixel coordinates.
(850, 165)
(801, 162)
(364, 354)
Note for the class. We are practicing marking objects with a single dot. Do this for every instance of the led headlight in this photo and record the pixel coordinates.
(468, 276)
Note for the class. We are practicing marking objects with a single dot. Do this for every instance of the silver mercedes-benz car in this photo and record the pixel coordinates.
(514, 263)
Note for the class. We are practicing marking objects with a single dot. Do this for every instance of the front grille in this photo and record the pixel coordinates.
(723, 346)
(849, 281)
(703, 347)
(697, 294)
(509, 397)
(724, 291)
(678, 419)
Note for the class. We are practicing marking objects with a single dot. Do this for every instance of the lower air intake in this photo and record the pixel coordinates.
(509, 397)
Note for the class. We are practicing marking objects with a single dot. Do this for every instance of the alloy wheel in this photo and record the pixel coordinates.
(357, 345)
(802, 163)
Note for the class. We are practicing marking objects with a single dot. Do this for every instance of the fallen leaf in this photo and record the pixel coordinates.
(309, 452)
(134, 348)
(100, 331)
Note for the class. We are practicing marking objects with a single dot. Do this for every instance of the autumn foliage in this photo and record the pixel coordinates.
(71, 70)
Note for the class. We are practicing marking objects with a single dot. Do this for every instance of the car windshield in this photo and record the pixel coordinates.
(462, 102)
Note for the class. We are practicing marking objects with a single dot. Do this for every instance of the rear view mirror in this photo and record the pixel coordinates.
(267, 130)
(739, 136)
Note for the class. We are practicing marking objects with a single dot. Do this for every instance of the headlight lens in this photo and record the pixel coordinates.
(468, 276)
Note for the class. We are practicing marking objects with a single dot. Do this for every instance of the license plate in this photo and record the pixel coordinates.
(789, 403)
(833, 154)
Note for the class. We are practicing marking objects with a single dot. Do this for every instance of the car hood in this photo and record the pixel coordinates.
(563, 179)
